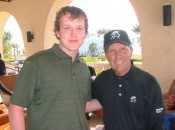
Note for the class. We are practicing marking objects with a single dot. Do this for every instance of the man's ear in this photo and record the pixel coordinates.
(131, 48)
(57, 34)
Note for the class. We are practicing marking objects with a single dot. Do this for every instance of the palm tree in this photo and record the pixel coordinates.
(7, 36)
(136, 30)
(103, 31)
(93, 48)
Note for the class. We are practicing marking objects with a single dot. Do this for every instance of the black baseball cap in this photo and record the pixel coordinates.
(116, 36)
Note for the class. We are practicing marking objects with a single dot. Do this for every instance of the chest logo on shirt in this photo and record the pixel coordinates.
(159, 110)
(133, 99)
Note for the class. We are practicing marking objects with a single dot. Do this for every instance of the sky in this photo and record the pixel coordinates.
(13, 27)
(107, 14)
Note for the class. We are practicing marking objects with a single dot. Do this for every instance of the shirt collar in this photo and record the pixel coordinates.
(62, 55)
(133, 68)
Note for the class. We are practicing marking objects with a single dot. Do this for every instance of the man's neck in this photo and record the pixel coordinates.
(72, 54)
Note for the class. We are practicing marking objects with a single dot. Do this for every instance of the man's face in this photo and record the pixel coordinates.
(119, 57)
(71, 34)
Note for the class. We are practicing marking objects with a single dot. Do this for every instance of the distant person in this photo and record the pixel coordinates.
(93, 76)
(2, 67)
(131, 98)
(92, 72)
(55, 84)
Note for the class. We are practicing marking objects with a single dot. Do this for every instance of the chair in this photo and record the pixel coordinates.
(4, 115)
(9, 81)
(169, 121)
(169, 102)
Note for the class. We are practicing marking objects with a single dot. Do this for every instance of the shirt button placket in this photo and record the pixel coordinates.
(120, 87)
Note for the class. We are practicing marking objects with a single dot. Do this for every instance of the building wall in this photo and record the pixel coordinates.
(158, 41)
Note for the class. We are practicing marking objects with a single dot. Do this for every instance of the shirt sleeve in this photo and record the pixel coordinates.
(156, 119)
(158, 126)
(26, 85)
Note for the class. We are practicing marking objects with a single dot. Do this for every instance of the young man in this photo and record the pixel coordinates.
(131, 98)
(54, 85)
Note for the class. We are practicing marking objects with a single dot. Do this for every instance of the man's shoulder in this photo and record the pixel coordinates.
(145, 77)
(105, 74)
(142, 73)
(40, 54)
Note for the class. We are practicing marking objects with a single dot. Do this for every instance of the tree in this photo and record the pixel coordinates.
(136, 30)
(7, 36)
(16, 50)
(103, 31)
(93, 48)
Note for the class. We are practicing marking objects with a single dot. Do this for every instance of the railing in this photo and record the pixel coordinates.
(11, 69)
(99, 66)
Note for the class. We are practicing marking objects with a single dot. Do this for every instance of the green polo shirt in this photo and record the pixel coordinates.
(54, 90)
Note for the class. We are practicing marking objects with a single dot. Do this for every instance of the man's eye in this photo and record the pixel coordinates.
(112, 51)
(80, 28)
(123, 48)
(66, 27)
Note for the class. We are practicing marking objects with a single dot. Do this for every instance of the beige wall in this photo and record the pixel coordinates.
(31, 15)
(3, 18)
(158, 41)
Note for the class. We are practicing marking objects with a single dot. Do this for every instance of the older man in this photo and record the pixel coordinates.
(131, 98)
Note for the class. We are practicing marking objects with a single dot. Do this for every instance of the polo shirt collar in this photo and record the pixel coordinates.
(62, 55)
(133, 68)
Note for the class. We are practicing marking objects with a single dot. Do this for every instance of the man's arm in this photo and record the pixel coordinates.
(93, 105)
(4, 89)
(16, 117)
(157, 113)
(158, 126)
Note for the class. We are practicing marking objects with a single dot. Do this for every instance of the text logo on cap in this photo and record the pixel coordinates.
(115, 34)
